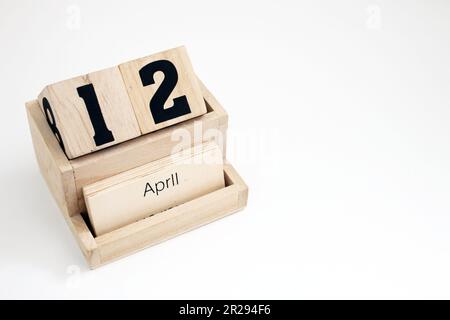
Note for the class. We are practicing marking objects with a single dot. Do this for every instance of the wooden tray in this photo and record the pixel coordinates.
(65, 178)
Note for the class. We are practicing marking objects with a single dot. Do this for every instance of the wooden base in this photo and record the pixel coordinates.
(66, 178)
(162, 226)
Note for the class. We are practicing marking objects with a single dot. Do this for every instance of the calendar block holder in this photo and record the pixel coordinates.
(65, 179)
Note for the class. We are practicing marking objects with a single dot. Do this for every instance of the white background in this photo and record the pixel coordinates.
(339, 123)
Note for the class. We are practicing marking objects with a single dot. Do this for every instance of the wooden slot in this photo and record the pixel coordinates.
(161, 226)
(154, 187)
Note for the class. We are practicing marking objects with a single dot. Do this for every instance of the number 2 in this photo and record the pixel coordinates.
(180, 105)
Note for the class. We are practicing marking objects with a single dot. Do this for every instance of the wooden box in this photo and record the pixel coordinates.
(66, 178)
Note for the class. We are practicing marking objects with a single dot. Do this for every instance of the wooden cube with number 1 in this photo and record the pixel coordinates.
(90, 112)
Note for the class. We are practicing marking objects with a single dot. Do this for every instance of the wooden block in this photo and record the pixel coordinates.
(141, 192)
(163, 89)
(89, 112)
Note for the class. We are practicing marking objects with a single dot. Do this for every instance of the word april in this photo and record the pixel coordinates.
(161, 185)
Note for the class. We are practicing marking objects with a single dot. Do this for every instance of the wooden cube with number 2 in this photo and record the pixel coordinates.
(163, 89)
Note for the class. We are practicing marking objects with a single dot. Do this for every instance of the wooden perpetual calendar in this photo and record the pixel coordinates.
(134, 154)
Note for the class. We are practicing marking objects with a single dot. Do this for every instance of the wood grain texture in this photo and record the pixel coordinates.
(153, 187)
(72, 117)
(141, 96)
